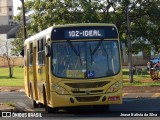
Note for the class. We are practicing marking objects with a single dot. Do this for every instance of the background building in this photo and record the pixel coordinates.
(6, 12)
(7, 35)
(8, 29)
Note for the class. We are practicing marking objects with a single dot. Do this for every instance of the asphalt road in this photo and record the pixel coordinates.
(133, 105)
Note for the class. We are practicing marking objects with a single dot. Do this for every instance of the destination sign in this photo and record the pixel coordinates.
(84, 32)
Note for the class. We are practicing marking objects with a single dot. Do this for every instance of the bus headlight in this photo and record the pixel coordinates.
(115, 87)
(60, 90)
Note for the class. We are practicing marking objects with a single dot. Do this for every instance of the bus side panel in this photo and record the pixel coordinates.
(41, 77)
(47, 79)
(34, 75)
(31, 78)
(26, 69)
(43, 80)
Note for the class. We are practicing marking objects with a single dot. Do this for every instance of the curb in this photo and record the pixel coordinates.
(141, 95)
(125, 94)
(6, 108)
(12, 90)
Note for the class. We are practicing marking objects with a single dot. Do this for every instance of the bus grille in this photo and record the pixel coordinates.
(87, 99)
(87, 84)
(92, 91)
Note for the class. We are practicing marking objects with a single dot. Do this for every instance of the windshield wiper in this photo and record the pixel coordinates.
(107, 55)
(79, 51)
(93, 52)
(75, 50)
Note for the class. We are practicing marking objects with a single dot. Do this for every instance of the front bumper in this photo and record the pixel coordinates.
(82, 100)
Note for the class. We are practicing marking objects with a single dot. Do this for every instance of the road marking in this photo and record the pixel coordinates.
(24, 106)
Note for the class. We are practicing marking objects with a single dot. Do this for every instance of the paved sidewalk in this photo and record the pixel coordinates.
(141, 95)
(11, 89)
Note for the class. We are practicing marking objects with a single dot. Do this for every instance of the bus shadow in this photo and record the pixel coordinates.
(83, 110)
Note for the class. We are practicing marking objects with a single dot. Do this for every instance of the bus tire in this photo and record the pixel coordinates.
(48, 109)
(33, 102)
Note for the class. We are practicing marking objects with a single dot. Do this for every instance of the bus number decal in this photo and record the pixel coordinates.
(73, 33)
(84, 33)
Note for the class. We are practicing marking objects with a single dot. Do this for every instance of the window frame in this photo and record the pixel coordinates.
(30, 54)
(117, 72)
(10, 17)
(10, 9)
(41, 51)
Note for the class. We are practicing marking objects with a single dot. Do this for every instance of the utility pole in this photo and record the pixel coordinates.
(129, 45)
(24, 21)
(24, 26)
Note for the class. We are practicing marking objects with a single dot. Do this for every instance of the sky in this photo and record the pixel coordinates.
(16, 3)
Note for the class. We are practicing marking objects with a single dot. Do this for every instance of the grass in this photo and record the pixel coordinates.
(9, 104)
(142, 79)
(137, 83)
(16, 80)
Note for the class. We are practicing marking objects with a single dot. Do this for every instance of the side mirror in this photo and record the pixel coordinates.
(47, 51)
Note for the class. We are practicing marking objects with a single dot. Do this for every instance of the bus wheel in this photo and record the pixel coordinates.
(101, 108)
(47, 108)
(34, 104)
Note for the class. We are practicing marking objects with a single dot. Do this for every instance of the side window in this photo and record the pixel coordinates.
(41, 51)
(31, 54)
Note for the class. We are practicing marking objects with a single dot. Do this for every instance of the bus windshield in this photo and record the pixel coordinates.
(89, 59)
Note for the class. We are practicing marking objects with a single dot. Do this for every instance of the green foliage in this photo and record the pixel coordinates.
(17, 44)
(144, 17)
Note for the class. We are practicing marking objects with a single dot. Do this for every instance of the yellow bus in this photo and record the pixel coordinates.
(74, 65)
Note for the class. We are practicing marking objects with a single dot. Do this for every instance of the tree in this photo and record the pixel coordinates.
(7, 55)
(144, 17)
(17, 44)
(50, 12)
(145, 26)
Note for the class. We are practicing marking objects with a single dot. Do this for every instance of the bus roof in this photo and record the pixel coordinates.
(39, 35)
(48, 31)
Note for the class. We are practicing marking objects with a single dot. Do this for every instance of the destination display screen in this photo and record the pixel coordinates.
(84, 32)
